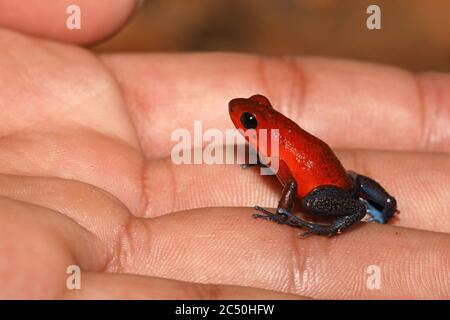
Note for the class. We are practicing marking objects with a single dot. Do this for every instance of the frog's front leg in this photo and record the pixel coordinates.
(285, 205)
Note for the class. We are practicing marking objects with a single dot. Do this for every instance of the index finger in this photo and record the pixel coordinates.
(348, 104)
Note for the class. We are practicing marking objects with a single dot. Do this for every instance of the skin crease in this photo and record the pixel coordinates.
(86, 176)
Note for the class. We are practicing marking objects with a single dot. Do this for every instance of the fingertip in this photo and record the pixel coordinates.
(85, 23)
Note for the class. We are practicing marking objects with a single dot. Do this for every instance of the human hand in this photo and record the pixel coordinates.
(87, 178)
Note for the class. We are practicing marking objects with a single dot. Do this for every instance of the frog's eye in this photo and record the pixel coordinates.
(248, 120)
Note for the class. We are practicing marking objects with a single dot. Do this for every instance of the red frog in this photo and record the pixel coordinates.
(309, 171)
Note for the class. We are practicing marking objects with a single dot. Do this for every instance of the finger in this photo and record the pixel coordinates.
(37, 245)
(174, 90)
(348, 104)
(227, 246)
(78, 141)
(48, 18)
(418, 181)
(35, 232)
(126, 286)
(157, 187)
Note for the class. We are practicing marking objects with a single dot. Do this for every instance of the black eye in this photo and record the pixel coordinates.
(248, 120)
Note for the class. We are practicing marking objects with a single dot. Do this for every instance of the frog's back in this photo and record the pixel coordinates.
(311, 161)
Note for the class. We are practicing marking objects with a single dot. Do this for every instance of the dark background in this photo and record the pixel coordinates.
(415, 34)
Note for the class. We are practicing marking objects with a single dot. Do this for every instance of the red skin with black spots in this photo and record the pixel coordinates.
(309, 171)
(302, 156)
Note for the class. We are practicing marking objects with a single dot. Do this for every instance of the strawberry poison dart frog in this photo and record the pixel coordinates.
(310, 172)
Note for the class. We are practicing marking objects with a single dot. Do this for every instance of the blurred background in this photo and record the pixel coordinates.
(414, 34)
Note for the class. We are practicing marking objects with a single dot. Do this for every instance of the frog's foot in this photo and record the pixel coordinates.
(296, 220)
(335, 228)
(280, 217)
(267, 215)
(381, 206)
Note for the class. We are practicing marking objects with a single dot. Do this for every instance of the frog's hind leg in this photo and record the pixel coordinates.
(330, 201)
(382, 206)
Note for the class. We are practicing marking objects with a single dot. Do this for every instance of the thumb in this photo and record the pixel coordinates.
(48, 18)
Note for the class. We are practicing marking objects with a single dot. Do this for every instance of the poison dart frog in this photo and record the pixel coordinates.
(310, 172)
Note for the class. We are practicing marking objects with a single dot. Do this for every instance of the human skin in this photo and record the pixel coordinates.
(86, 177)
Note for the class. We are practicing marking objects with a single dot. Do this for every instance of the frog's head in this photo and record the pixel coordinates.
(250, 115)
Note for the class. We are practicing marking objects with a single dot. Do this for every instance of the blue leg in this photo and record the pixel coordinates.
(374, 194)
(376, 215)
